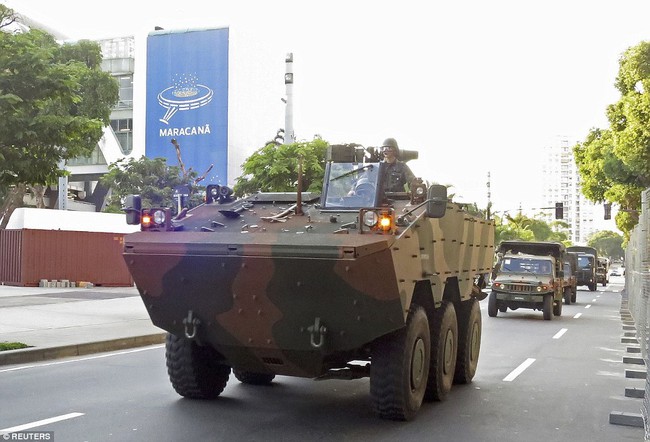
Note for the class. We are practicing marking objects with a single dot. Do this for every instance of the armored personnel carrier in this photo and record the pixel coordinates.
(352, 283)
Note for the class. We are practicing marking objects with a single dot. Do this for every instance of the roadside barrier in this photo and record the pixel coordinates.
(637, 293)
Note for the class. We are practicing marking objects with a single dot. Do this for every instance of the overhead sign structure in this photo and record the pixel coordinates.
(187, 99)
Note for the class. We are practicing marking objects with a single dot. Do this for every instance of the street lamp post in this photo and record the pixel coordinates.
(289, 137)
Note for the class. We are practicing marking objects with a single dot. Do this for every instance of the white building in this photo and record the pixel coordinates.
(561, 184)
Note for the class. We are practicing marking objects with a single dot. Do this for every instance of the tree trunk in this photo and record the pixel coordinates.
(14, 200)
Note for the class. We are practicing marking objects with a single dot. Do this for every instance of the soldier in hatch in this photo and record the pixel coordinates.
(396, 174)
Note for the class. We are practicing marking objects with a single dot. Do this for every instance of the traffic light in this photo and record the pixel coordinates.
(559, 210)
(608, 210)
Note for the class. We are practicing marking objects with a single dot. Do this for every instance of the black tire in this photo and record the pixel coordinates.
(574, 297)
(548, 307)
(557, 308)
(399, 368)
(492, 305)
(196, 372)
(592, 287)
(469, 341)
(248, 377)
(444, 351)
(567, 295)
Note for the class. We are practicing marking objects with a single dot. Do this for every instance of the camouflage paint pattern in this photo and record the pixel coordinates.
(259, 283)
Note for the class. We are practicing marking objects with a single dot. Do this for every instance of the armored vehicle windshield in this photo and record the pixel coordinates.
(351, 186)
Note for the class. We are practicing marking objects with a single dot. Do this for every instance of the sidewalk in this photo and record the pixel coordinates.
(63, 322)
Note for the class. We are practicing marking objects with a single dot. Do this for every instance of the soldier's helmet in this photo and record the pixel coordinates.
(390, 143)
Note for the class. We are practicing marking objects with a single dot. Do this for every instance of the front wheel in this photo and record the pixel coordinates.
(548, 307)
(399, 368)
(444, 350)
(248, 377)
(469, 341)
(195, 371)
(492, 305)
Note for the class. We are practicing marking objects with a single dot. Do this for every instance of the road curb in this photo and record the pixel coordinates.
(38, 354)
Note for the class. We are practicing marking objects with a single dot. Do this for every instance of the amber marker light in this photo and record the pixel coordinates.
(385, 222)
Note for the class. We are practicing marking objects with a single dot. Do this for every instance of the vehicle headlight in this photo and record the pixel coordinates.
(156, 219)
(370, 219)
(159, 217)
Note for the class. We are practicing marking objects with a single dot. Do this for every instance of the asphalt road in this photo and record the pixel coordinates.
(537, 381)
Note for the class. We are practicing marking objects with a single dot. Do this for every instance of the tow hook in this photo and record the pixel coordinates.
(191, 325)
(319, 329)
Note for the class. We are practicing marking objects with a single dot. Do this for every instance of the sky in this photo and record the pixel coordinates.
(474, 86)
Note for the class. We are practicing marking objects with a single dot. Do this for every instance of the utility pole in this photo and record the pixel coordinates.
(489, 194)
(62, 202)
(289, 137)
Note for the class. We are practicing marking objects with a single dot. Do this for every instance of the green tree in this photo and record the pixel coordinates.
(529, 229)
(609, 244)
(54, 101)
(274, 168)
(152, 179)
(515, 227)
(614, 163)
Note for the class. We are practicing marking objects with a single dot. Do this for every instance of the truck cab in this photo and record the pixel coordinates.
(587, 264)
(602, 271)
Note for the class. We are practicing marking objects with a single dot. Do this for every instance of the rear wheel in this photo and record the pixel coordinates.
(469, 341)
(557, 308)
(567, 295)
(492, 305)
(444, 349)
(592, 287)
(248, 377)
(574, 296)
(400, 363)
(548, 307)
(196, 372)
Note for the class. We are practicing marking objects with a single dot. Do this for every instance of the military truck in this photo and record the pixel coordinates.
(354, 282)
(602, 271)
(529, 274)
(587, 262)
(570, 274)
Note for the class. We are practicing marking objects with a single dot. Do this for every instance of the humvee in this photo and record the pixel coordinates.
(350, 283)
(529, 275)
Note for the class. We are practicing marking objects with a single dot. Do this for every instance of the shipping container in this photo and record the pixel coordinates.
(28, 256)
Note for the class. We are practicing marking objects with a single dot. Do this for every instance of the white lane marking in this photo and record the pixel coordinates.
(577, 315)
(40, 423)
(598, 296)
(593, 300)
(588, 306)
(519, 370)
(559, 334)
(89, 358)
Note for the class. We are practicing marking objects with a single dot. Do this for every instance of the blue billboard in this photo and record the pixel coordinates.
(187, 100)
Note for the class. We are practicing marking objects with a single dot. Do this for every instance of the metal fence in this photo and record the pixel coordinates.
(637, 291)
